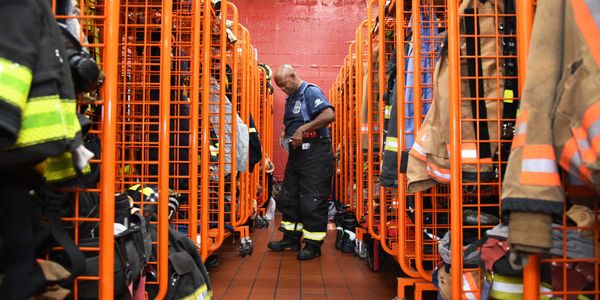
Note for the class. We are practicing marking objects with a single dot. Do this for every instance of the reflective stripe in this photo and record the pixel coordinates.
(202, 293)
(47, 119)
(520, 129)
(15, 82)
(584, 145)
(468, 152)
(440, 174)
(388, 111)
(538, 166)
(418, 151)
(470, 287)
(391, 144)
(505, 287)
(214, 150)
(572, 162)
(591, 125)
(291, 226)
(60, 168)
(315, 236)
(252, 129)
(586, 16)
(351, 234)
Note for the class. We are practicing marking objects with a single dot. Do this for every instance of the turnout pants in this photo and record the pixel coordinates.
(306, 185)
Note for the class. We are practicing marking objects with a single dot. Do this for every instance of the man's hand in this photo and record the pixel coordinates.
(297, 137)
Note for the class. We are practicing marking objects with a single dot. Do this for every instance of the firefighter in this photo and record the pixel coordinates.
(307, 179)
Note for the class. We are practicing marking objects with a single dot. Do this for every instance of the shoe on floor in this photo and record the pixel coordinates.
(309, 251)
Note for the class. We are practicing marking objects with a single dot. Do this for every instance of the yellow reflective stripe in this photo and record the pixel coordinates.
(506, 287)
(391, 144)
(134, 187)
(44, 120)
(388, 111)
(291, 226)
(15, 82)
(509, 96)
(202, 293)
(252, 129)
(69, 110)
(214, 150)
(60, 168)
(315, 236)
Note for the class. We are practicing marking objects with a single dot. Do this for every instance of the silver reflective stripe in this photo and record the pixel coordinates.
(594, 130)
(438, 173)
(541, 165)
(574, 164)
(522, 128)
(468, 290)
(594, 6)
(469, 153)
(583, 144)
(418, 148)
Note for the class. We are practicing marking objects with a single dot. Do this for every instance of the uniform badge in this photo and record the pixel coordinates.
(297, 107)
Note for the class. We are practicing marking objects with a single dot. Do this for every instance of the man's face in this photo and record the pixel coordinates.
(287, 84)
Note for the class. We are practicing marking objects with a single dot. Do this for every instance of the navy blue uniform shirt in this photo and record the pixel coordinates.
(315, 101)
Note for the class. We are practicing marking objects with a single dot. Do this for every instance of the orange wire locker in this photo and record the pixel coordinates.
(148, 152)
(98, 21)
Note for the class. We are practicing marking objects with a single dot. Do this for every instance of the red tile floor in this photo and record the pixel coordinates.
(279, 275)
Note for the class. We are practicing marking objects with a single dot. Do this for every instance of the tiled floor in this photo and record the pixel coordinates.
(279, 275)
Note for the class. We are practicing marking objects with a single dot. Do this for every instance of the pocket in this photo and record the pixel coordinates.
(578, 108)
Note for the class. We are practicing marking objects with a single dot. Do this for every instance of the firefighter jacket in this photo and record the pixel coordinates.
(558, 122)
(38, 121)
(429, 161)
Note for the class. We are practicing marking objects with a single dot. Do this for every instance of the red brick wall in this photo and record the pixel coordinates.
(311, 35)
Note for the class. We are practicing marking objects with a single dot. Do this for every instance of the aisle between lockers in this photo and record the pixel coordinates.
(279, 275)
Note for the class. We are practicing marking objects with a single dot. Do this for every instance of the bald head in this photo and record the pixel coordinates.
(286, 79)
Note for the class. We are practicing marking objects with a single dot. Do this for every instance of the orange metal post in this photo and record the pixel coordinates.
(455, 154)
(525, 11)
(402, 228)
(205, 145)
(195, 99)
(163, 156)
(109, 137)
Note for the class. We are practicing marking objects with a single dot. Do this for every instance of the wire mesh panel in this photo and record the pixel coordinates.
(487, 77)
(91, 201)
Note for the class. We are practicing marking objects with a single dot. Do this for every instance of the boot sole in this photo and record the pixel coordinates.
(309, 258)
(281, 250)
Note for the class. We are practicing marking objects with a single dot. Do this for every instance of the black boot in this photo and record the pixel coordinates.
(311, 250)
(291, 240)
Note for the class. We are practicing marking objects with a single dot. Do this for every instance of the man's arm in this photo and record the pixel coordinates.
(324, 118)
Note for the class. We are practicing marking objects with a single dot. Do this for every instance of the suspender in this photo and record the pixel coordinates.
(304, 108)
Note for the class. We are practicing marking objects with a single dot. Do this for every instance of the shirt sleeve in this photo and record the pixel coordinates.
(316, 101)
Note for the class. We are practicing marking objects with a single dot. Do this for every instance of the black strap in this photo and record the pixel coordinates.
(53, 204)
(404, 161)
(475, 70)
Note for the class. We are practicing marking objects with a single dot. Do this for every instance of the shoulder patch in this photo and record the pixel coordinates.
(318, 102)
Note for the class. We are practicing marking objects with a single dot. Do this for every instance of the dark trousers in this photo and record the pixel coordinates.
(306, 185)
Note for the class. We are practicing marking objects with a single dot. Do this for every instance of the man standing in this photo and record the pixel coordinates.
(307, 179)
